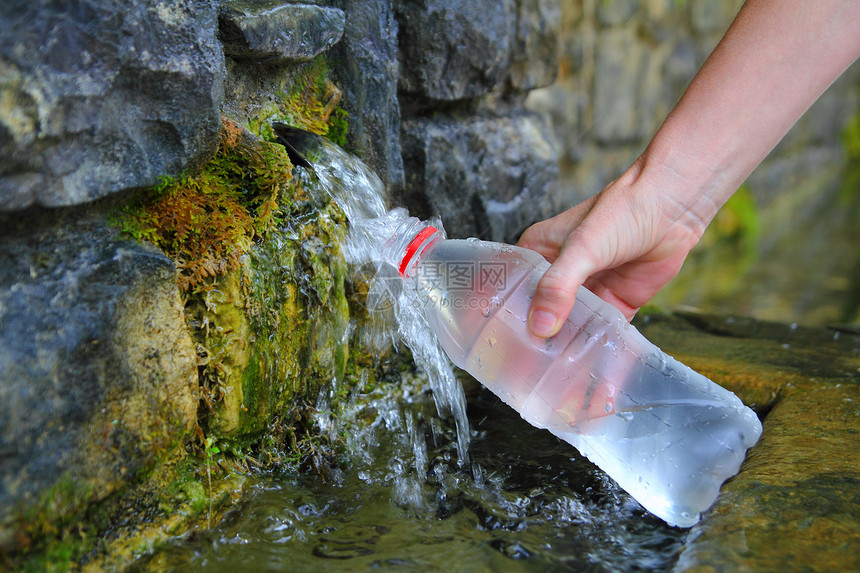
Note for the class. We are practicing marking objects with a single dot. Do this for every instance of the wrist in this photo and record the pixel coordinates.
(690, 187)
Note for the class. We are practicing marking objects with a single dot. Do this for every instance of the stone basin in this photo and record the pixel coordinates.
(795, 505)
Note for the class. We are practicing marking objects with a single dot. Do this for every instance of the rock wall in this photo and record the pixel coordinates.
(505, 113)
(115, 359)
(74, 125)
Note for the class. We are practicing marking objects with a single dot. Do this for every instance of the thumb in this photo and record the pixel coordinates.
(556, 292)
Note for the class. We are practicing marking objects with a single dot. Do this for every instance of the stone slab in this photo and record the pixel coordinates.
(795, 505)
(102, 96)
(278, 32)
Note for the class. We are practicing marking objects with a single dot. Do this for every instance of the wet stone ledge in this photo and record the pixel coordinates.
(278, 32)
(795, 503)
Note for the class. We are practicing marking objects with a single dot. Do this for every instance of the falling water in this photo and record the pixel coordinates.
(395, 312)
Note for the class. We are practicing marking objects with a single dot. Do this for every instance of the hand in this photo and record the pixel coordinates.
(631, 239)
(623, 244)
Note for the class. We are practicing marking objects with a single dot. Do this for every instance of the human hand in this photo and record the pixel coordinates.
(631, 239)
(623, 244)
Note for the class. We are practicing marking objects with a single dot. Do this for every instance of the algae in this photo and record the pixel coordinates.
(271, 333)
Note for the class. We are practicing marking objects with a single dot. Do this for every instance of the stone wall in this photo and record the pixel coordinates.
(435, 91)
(498, 114)
(112, 369)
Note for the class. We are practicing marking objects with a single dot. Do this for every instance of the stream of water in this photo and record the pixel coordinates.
(434, 481)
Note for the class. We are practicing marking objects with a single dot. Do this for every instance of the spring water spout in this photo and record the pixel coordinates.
(396, 317)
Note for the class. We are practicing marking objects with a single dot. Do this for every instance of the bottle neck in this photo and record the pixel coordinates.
(410, 241)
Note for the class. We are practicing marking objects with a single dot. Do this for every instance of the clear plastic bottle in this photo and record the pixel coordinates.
(666, 434)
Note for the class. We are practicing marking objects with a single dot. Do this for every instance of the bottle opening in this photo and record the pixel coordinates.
(413, 247)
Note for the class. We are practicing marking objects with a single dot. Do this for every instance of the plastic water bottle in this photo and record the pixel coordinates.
(666, 434)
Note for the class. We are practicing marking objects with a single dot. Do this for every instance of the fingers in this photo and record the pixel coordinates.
(548, 237)
(556, 291)
(606, 286)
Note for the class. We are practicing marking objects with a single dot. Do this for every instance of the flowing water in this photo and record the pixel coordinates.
(430, 483)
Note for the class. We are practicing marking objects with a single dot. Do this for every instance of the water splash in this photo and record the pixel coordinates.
(395, 311)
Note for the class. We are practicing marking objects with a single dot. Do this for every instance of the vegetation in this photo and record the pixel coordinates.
(726, 252)
(851, 145)
(312, 103)
(206, 222)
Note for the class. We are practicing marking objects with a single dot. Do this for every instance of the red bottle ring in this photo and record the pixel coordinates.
(413, 246)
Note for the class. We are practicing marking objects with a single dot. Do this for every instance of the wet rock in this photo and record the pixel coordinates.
(104, 96)
(278, 32)
(487, 177)
(271, 333)
(794, 505)
(454, 49)
(365, 65)
(98, 375)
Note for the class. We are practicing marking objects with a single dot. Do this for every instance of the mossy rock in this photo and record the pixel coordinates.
(271, 333)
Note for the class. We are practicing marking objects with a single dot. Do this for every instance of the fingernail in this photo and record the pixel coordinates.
(542, 322)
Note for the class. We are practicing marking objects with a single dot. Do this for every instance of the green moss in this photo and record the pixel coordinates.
(51, 535)
(312, 103)
(206, 222)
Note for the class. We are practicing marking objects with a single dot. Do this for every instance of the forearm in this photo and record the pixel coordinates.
(775, 60)
(628, 241)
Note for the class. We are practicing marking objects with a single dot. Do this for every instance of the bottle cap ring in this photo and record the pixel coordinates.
(412, 247)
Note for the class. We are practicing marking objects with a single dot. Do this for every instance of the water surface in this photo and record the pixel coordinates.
(404, 502)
